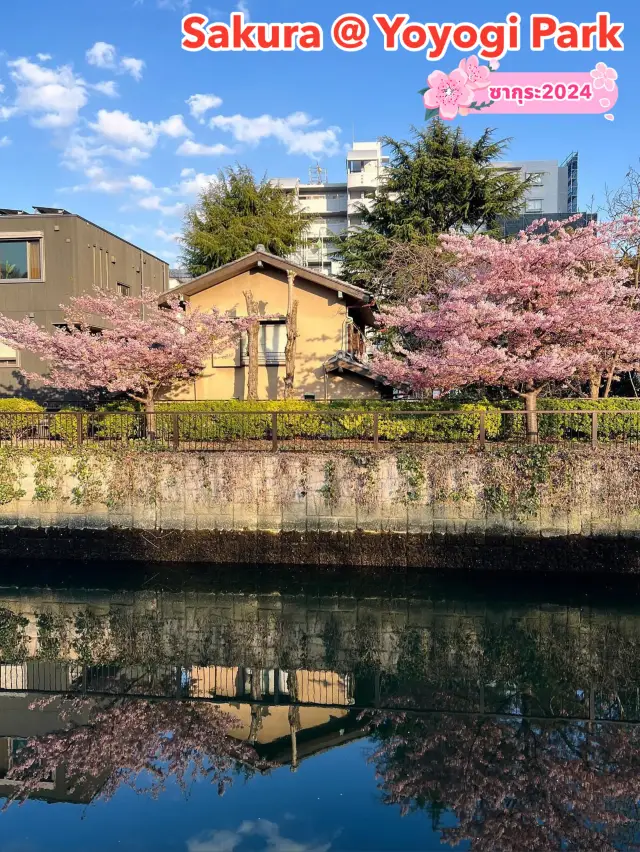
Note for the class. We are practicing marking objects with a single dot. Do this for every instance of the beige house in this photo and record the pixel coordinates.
(331, 350)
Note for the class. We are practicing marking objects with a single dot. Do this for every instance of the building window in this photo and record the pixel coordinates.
(271, 343)
(8, 356)
(537, 178)
(123, 289)
(356, 166)
(20, 260)
(310, 397)
(534, 205)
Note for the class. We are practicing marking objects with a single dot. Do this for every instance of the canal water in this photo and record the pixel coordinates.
(309, 712)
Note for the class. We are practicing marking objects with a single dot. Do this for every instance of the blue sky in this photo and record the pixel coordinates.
(97, 112)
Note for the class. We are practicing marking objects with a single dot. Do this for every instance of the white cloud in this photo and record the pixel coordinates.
(167, 237)
(189, 148)
(6, 112)
(53, 96)
(108, 88)
(295, 132)
(241, 6)
(154, 202)
(4, 141)
(141, 183)
(245, 837)
(174, 126)
(118, 127)
(201, 104)
(43, 57)
(193, 182)
(132, 66)
(102, 55)
(100, 182)
(128, 139)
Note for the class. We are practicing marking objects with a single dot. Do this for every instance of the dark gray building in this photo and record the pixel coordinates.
(47, 257)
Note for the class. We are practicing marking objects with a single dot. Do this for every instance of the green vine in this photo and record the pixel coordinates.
(366, 479)
(519, 492)
(10, 475)
(47, 479)
(330, 490)
(89, 489)
(411, 471)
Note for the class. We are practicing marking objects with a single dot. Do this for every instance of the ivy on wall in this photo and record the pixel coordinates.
(513, 481)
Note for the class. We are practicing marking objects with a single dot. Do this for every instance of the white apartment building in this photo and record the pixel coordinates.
(334, 205)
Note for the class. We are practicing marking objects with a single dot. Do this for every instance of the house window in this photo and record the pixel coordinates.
(536, 178)
(310, 397)
(271, 344)
(20, 260)
(8, 356)
(123, 289)
(534, 205)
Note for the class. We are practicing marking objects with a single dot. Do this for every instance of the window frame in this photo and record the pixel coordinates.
(529, 201)
(5, 363)
(539, 175)
(265, 359)
(25, 237)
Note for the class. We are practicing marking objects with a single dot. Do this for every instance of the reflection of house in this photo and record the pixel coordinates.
(18, 724)
(303, 686)
(331, 352)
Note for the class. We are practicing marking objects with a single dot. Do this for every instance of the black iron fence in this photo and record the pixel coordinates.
(317, 430)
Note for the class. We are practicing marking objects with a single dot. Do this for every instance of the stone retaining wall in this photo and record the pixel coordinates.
(452, 493)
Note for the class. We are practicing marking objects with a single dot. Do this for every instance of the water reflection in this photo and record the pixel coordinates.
(510, 726)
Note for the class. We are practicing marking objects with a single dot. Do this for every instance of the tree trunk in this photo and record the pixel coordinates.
(595, 380)
(610, 375)
(292, 335)
(150, 416)
(531, 415)
(253, 335)
(290, 351)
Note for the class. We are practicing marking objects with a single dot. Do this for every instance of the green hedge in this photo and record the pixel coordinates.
(611, 427)
(299, 419)
(18, 417)
(63, 426)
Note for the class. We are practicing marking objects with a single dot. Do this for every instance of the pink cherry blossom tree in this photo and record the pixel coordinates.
(549, 306)
(125, 344)
(105, 744)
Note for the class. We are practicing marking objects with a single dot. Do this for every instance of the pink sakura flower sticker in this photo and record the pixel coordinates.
(494, 64)
(448, 92)
(477, 75)
(604, 77)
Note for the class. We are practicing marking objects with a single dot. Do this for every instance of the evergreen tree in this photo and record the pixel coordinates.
(437, 182)
(233, 215)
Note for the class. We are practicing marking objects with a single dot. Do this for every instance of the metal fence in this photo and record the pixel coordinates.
(316, 430)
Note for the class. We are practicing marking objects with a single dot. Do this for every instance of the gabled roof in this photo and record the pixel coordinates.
(249, 261)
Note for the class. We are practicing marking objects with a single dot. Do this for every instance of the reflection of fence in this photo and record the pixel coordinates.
(307, 688)
(329, 430)
(269, 686)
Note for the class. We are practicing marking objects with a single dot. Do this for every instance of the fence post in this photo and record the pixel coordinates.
(376, 423)
(274, 431)
(175, 430)
(594, 429)
(79, 416)
(482, 437)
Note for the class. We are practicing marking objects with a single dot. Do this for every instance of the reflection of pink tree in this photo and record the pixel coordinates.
(514, 786)
(136, 743)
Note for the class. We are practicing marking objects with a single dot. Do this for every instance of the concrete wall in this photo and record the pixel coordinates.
(584, 493)
(76, 256)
